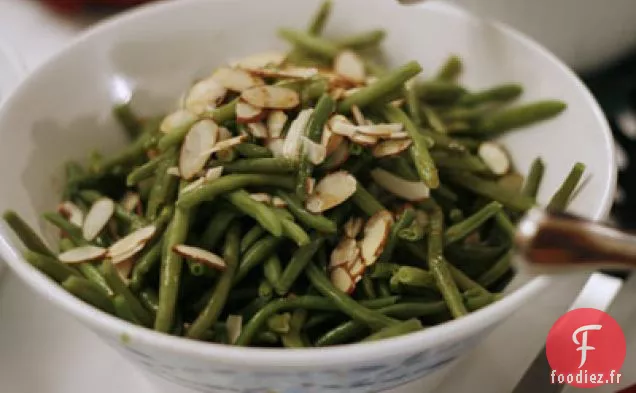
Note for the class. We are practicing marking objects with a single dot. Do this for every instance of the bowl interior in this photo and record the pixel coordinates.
(62, 110)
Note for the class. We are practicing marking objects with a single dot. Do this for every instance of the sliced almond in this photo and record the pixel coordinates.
(82, 254)
(261, 197)
(204, 96)
(127, 255)
(356, 268)
(278, 202)
(315, 152)
(246, 113)
(380, 130)
(356, 280)
(97, 217)
(196, 145)
(227, 144)
(129, 245)
(173, 171)
(353, 227)
(495, 157)
(234, 325)
(276, 123)
(358, 116)
(195, 184)
(71, 212)
(376, 233)
(338, 157)
(337, 93)
(287, 72)
(310, 185)
(200, 255)
(349, 65)
(413, 191)
(341, 279)
(124, 269)
(213, 173)
(181, 119)
(261, 60)
(339, 124)
(391, 147)
(131, 201)
(297, 129)
(236, 79)
(364, 139)
(399, 135)
(331, 191)
(276, 146)
(346, 252)
(272, 97)
(330, 140)
(258, 130)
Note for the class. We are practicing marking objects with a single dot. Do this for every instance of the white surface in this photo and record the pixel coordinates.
(69, 358)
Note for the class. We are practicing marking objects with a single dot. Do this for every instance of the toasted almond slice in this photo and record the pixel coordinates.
(213, 173)
(337, 93)
(227, 143)
(246, 113)
(131, 241)
(413, 191)
(353, 227)
(195, 184)
(180, 119)
(376, 233)
(330, 140)
(310, 185)
(276, 146)
(71, 212)
(287, 72)
(346, 252)
(356, 280)
(341, 279)
(260, 60)
(391, 147)
(315, 152)
(196, 145)
(297, 129)
(200, 255)
(173, 171)
(97, 218)
(357, 115)
(356, 268)
(273, 97)
(236, 79)
(331, 191)
(261, 197)
(380, 130)
(276, 123)
(124, 269)
(131, 201)
(495, 157)
(364, 139)
(258, 130)
(278, 202)
(399, 135)
(82, 254)
(234, 325)
(127, 255)
(350, 66)
(205, 95)
(338, 157)
(339, 124)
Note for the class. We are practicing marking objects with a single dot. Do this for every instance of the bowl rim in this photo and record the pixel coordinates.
(276, 358)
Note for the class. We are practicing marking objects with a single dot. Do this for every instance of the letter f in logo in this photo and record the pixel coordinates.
(584, 347)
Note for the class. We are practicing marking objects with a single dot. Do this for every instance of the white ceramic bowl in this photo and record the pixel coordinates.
(62, 111)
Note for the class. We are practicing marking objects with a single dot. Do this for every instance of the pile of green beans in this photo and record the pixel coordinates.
(444, 257)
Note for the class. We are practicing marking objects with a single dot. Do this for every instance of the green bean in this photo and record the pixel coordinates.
(261, 165)
(256, 254)
(383, 86)
(258, 211)
(128, 155)
(439, 267)
(128, 120)
(252, 237)
(250, 150)
(319, 117)
(433, 120)
(293, 338)
(443, 141)
(50, 266)
(74, 174)
(86, 291)
(456, 216)
(228, 183)
(497, 270)
(533, 181)
(460, 162)
(451, 69)
(314, 221)
(309, 43)
(462, 229)
(92, 196)
(210, 314)
(149, 299)
(506, 225)
(71, 230)
(419, 150)
(470, 115)
(492, 190)
(406, 218)
(313, 91)
(383, 269)
(367, 287)
(171, 266)
(365, 201)
(365, 40)
(94, 275)
(319, 19)
(283, 214)
(409, 326)
(413, 233)
(163, 185)
(497, 94)
(272, 270)
(413, 105)
(253, 307)
(26, 234)
(383, 289)
(299, 261)
(293, 231)
(561, 197)
(123, 310)
(439, 92)
(344, 303)
(222, 114)
(217, 226)
(474, 303)
(119, 287)
(413, 277)
(279, 323)
(144, 171)
(520, 116)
